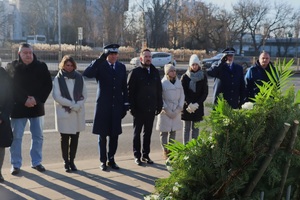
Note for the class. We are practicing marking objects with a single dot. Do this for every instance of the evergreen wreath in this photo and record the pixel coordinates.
(241, 154)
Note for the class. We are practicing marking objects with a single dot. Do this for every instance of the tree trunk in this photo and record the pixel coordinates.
(267, 160)
(288, 163)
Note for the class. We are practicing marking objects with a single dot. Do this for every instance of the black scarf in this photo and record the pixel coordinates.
(78, 87)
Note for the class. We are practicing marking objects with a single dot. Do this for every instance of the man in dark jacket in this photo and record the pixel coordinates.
(256, 74)
(229, 79)
(32, 85)
(112, 102)
(145, 98)
(6, 102)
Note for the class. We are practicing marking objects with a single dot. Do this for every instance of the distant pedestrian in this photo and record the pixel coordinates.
(169, 120)
(195, 87)
(69, 93)
(145, 97)
(112, 102)
(256, 74)
(229, 79)
(32, 84)
(6, 103)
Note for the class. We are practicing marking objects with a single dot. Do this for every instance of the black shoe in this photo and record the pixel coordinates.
(1, 178)
(73, 166)
(39, 167)
(67, 167)
(15, 171)
(138, 161)
(113, 165)
(103, 166)
(147, 160)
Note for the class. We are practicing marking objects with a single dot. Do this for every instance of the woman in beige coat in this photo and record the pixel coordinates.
(69, 93)
(169, 120)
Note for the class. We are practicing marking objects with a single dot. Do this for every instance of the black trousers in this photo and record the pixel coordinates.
(69, 144)
(139, 121)
(112, 148)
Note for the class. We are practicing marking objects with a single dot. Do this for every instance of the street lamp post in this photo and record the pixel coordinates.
(59, 30)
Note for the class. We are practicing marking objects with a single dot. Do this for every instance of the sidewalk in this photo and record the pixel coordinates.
(89, 182)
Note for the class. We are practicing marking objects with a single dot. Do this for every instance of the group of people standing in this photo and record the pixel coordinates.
(26, 84)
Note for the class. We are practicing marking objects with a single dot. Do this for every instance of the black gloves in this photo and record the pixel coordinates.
(224, 58)
(103, 57)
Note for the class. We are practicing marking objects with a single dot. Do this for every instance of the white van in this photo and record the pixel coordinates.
(36, 39)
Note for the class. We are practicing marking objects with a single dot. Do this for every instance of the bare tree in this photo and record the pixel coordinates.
(218, 31)
(174, 20)
(157, 16)
(133, 30)
(38, 16)
(262, 17)
(112, 14)
(195, 21)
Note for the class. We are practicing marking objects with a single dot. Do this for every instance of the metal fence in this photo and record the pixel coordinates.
(87, 56)
(54, 56)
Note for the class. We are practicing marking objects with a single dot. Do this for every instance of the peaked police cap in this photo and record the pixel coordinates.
(111, 48)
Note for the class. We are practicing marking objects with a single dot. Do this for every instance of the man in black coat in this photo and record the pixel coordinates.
(145, 98)
(32, 84)
(112, 102)
(229, 79)
(6, 103)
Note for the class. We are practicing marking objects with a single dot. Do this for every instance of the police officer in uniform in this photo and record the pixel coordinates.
(112, 102)
(229, 79)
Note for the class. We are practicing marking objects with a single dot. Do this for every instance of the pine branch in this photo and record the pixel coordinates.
(234, 173)
(267, 160)
(288, 163)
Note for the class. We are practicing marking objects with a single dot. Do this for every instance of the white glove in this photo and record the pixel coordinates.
(76, 107)
(190, 108)
(195, 106)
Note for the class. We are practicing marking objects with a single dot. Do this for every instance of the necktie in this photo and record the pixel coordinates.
(112, 66)
(230, 66)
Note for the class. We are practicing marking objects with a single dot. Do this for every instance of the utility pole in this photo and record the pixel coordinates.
(59, 31)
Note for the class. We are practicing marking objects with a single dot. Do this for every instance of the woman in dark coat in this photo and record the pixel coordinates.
(6, 135)
(194, 83)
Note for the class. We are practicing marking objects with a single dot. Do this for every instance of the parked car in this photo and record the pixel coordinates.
(245, 62)
(159, 59)
(135, 61)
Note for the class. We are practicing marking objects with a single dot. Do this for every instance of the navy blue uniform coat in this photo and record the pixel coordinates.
(228, 82)
(111, 96)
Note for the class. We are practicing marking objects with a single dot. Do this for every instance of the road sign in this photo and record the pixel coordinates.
(80, 33)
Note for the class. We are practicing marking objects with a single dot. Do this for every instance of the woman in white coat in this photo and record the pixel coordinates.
(169, 120)
(69, 93)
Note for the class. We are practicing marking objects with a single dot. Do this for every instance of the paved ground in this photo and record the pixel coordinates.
(89, 182)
